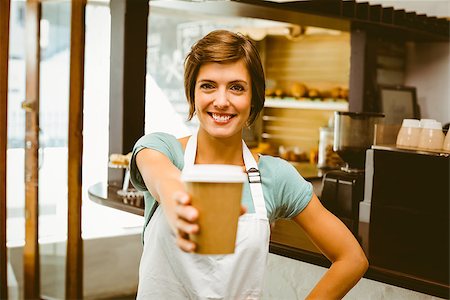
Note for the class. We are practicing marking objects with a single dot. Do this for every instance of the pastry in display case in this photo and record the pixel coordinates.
(129, 195)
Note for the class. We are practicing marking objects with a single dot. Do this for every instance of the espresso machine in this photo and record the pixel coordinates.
(343, 189)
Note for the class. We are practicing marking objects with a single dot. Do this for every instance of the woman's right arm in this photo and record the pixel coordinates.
(162, 179)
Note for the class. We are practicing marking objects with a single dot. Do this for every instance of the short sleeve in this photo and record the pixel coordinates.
(165, 143)
(292, 191)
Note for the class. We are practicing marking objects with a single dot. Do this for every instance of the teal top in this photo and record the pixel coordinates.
(286, 192)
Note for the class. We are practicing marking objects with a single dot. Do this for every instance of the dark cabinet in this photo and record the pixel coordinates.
(409, 221)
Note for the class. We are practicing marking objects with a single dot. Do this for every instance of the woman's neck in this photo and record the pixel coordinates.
(211, 150)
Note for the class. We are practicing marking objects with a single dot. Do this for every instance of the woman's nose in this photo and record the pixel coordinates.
(221, 99)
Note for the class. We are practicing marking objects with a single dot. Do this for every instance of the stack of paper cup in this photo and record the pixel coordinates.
(431, 135)
(446, 146)
(408, 136)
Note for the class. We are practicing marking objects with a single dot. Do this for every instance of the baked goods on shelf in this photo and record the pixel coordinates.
(119, 160)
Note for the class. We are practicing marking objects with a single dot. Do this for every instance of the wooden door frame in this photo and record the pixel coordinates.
(31, 259)
(5, 7)
(74, 259)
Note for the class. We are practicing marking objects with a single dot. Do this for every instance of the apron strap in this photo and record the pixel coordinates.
(254, 179)
(191, 151)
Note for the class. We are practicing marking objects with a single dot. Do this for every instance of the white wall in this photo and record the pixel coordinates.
(428, 69)
(427, 64)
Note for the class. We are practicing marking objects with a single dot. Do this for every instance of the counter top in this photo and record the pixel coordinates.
(394, 148)
(106, 194)
(287, 239)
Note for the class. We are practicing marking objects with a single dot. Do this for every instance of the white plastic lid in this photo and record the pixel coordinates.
(426, 123)
(436, 125)
(411, 123)
(431, 124)
(213, 173)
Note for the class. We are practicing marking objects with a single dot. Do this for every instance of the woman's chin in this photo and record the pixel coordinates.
(224, 133)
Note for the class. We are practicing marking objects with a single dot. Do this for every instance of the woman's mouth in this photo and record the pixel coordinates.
(221, 118)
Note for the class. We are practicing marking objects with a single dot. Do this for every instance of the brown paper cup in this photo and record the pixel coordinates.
(216, 192)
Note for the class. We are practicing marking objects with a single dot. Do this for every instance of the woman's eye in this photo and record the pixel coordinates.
(206, 86)
(237, 88)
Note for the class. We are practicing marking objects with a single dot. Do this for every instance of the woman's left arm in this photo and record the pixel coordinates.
(338, 244)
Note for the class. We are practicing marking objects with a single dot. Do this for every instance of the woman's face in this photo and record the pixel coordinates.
(223, 96)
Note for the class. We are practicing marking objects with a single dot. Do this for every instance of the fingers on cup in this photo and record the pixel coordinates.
(243, 210)
(185, 245)
(182, 198)
(186, 227)
(187, 212)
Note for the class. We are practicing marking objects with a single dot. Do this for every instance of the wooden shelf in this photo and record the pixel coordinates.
(339, 105)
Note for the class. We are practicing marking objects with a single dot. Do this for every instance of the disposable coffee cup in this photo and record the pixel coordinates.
(216, 192)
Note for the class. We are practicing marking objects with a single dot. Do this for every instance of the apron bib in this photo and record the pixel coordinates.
(166, 272)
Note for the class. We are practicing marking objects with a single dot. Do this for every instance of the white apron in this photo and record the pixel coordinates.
(166, 272)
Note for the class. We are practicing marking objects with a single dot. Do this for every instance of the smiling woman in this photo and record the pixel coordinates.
(224, 86)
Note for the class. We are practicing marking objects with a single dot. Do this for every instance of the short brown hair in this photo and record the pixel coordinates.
(222, 46)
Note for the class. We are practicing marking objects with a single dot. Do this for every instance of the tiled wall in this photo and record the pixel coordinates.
(287, 279)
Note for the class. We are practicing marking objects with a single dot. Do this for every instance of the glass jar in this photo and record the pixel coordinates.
(327, 158)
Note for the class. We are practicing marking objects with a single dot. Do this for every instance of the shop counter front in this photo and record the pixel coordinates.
(288, 240)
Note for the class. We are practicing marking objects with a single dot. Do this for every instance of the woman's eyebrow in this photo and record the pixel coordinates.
(242, 81)
(206, 80)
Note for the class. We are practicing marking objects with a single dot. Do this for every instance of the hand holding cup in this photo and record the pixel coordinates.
(187, 221)
(216, 193)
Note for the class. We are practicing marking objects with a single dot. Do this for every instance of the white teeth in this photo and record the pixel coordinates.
(221, 118)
